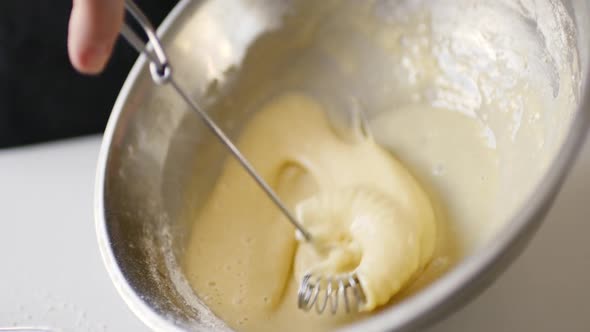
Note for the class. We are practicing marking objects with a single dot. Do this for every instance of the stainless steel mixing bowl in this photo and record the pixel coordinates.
(153, 146)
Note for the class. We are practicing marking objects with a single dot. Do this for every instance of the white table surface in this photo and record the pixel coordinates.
(51, 273)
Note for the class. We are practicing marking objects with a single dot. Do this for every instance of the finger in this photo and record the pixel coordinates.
(93, 29)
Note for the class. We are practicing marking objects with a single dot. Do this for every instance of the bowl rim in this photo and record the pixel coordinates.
(134, 301)
(465, 280)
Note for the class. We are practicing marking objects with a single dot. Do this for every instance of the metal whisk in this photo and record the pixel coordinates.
(161, 72)
(323, 292)
(311, 286)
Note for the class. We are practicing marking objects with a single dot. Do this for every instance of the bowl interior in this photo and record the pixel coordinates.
(515, 69)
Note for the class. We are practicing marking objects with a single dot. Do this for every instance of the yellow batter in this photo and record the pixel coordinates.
(473, 115)
(384, 233)
(366, 211)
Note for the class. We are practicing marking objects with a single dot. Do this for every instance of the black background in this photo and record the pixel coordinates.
(42, 97)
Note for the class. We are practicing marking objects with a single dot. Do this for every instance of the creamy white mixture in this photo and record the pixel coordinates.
(365, 211)
(460, 131)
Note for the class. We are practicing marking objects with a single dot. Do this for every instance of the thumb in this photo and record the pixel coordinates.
(93, 30)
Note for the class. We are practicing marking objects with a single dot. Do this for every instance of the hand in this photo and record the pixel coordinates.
(93, 30)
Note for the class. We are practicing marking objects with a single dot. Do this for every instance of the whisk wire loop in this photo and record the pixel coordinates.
(321, 293)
